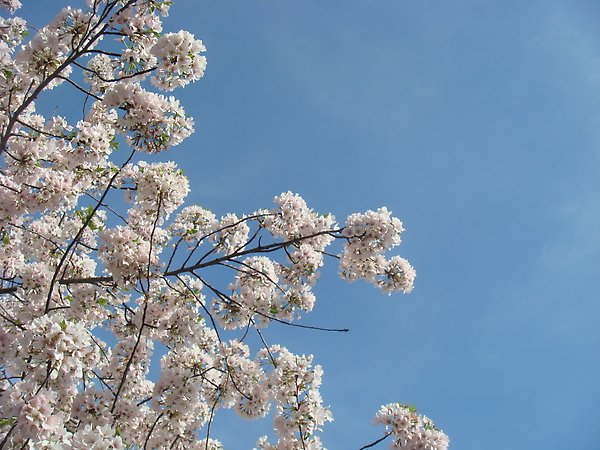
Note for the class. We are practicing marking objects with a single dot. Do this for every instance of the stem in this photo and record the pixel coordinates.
(374, 443)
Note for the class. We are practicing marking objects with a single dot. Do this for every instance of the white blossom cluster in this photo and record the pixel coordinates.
(58, 347)
(256, 290)
(369, 235)
(126, 254)
(231, 234)
(12, 31)
(11, 5)
(152, 122)
(409, 430)
(94, 290)
(47, 53)
(100, 71)
(294, 383)
(194, 223)
(179, 60)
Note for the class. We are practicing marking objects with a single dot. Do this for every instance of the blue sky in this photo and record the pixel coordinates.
(476, 123)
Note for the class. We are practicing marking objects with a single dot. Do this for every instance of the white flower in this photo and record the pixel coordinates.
(179, 60)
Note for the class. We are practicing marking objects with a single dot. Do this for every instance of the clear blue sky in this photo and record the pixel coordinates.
(478, 124)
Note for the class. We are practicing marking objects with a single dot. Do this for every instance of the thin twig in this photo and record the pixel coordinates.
(374, 443)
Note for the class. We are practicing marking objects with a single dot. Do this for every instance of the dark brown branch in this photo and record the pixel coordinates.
(81, 230)
(89, 280)
(374, 443)
(9, 290)
(114, 80)
(79, 88)
(68, 281)
(200, 302)
(258, 249)
(130, 360)
(104, 205)
(210, 419)
(151, 431)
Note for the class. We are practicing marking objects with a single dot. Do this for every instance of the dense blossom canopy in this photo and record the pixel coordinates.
(79, 267)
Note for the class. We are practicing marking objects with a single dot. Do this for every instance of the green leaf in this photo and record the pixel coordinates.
(6, 421)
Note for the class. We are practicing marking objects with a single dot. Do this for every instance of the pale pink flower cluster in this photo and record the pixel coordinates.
(260, 293)
(90, 147)
(42, 237)
(12, 31)
(256, 291)
(126, 254)
(38, 418)
(398, 275)
(45, 174)
(58, 347)
(244, 387)
(294, 383)
(179, 60)
(369, 236)
(207, 444)
(97, 438)
(11, 5)
(152, 122)
(139, 21)
(293, 218)
(42, 187)
(194, 223)
(410, 431)
(180, 393)
(232, 235)
(100, 71)
(47, 52)
(155, 184)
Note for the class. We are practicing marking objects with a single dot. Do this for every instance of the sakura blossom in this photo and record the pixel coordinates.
(95, 290)
(11, 5)
(410, 430)
(179, 59)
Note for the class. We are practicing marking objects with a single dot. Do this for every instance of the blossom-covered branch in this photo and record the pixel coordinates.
(90, 285)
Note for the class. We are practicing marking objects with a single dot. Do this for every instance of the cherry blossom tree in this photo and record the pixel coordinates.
(79, 265)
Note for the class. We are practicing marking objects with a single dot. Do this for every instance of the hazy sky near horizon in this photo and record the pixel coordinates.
(477, 124)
